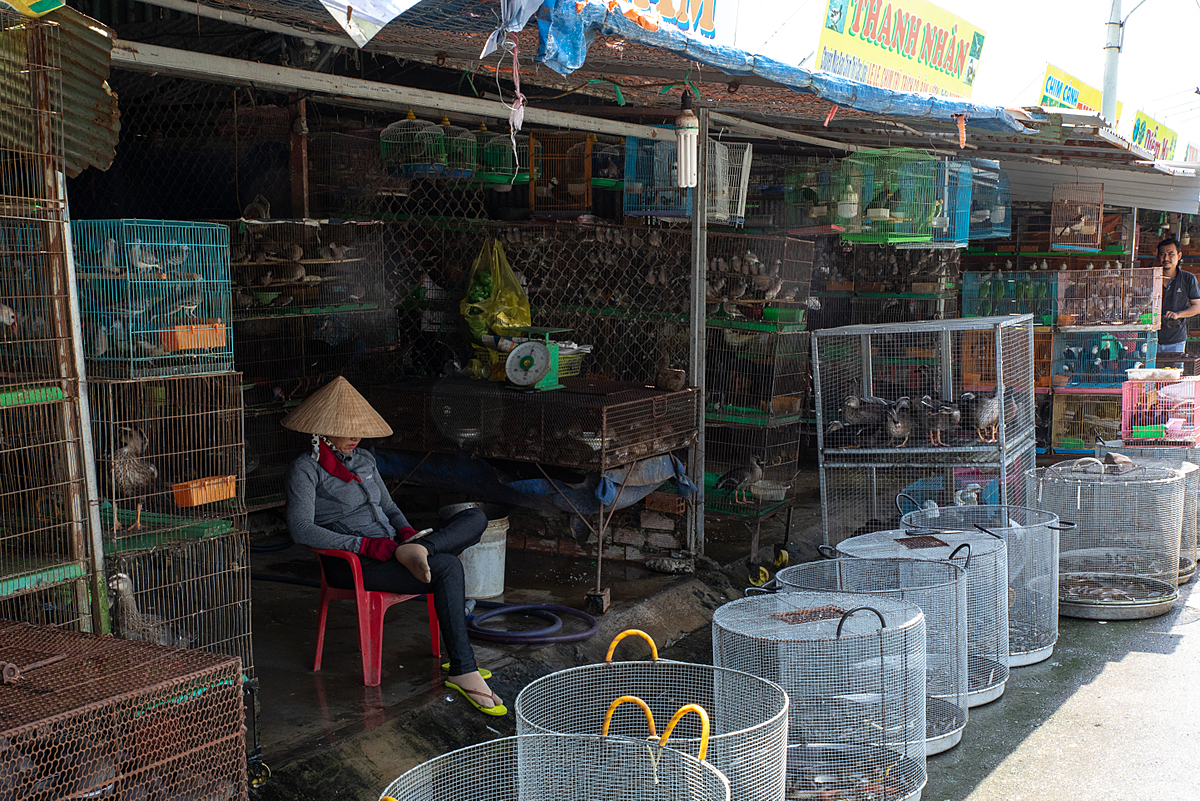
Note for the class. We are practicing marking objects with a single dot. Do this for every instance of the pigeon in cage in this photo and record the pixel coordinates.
(133, 624)
(184, 298)
(8, 317)
(738, 480)
(133, 475)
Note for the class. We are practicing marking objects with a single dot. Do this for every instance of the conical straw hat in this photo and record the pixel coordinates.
(337, 410)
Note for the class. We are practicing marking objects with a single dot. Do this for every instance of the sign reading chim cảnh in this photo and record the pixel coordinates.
(908, 46)
(1063, 90)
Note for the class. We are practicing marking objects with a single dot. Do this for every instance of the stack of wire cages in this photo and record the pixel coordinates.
(550, 767)
(1083, 418)
(987, 294)
(345, 172)
(563, 185)
(608, 171)
(854, 668)
(752, 278)
(1031, 537)
(413, 148)
(1076, 214)
(939, 589)
(1121, 561)
(1106, 298)
(1187, 460)
(154, 297)
(1043, 358)
(897, 195)
(892, 285)
(756, 377)
(1098, 360)
(97, 717)
(1160, 413)
(810, 197)
(951, 219)
(942, 411)
(748, 715)
(750, 470)
(985, 560)
(991, 202)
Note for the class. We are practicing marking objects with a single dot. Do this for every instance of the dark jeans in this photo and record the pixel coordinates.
(444, 545)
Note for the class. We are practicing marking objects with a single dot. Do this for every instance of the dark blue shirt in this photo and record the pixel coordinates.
(1177, 294)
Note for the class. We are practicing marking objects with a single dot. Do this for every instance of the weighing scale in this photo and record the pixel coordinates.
(533, 365)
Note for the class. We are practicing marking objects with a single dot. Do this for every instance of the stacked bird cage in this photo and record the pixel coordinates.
(652, 180)
(1098, 360)
(1076, 216)
(763, 279)
(985, 560)
(854, 669)
(1121, 561)
(898, 195)
(1081, 419)
(754, 375)
(748, 714)
(1160, 413)
(1031, 537)
(461, 147)
(506, 161)
(904, 307)
(750, 470)
(189, 594)
(951, 220)
(940, 590)
(991, 216)
(537, 767)
(1035, 292)
(564, 183)
(1098, 300)
(941, 410)
(97, 717)
(154, 297)
(412, 148)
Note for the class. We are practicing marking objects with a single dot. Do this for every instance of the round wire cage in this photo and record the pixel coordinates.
(940, 590)
(1121, 561)
(1175, 457)
(413, 148)
(460, 147)
(985, 558)
(854, 669)
(749, 714)
(501, 167)
(561, 768)
(1032, 539)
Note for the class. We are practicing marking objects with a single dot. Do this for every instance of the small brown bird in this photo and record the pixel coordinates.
(293, 252)
(133, 474)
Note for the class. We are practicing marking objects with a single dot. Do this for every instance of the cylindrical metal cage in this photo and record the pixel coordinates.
(940, 590)
(985, 558)
(556, 767)
(856, 682)
(749, 715)
(1121, 561)
(1178, 458)
(1032, 539)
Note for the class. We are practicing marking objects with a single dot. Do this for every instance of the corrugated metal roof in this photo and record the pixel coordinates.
(91, 118)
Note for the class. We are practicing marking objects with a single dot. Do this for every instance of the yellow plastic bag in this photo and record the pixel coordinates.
(495, 301)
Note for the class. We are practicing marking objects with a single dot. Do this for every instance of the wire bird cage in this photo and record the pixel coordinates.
(270, 448)
(563, 185)
(878, 436)
(169, 456)
(748, 714)
(856, 682)
(608, 163)
(154, 297)
(810, 195)
(345, 172)
(874, 308)
(755, 376)
(652, 180)
(985, 560)
(502, 163)
(897, 191)
(728, 454)
(1121, 561)
(1035, 292)
(1098, 360)
(1031, 537)
(758, 278)
(991, 204)
(940, 590)
(461, 151)
(97, 717)
(1076, 215)
(1082, 419)
(728, 181)
(412, 148)
(1158, 413)
(1117, 296)
(1187, 460)
(892, 269)
(559, 767)
(950, 223)
(188, 594)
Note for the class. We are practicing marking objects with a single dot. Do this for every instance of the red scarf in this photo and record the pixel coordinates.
(333, 465)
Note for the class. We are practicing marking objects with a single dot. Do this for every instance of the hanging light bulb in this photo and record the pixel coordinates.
(687, 137)
(1186, 239)
(848, 202)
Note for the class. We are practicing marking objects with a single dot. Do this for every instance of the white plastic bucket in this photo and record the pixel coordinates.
(483, 562)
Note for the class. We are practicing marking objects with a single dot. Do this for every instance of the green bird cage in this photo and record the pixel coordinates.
(811, 194)
(898, 195)
(501, 164)
(461, 148)
(412, 148)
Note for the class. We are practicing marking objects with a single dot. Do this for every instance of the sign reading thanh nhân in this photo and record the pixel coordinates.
(908, 46)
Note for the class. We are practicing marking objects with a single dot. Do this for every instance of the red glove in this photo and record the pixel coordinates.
(405, 534)
(380, 548)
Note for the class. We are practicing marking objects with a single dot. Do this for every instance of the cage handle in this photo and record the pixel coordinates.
(704, 727)
(1075, 465)
(636, 632)
(847, 615)
(628, 699)
(1063, 525)
(985, 531)
(967, 545)
(911, 500)
(765, 589)
(828, 551)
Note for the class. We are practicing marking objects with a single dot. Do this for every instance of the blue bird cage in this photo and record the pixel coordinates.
(951, 220)
(651, 180)
(154, 297)
(991, 202)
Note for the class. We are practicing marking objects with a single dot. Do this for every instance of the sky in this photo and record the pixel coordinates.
(1159, 70)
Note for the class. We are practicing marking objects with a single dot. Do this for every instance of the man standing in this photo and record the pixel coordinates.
(1181, 298)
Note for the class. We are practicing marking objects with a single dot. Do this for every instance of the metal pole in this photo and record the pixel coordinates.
(696, 322)
(1112, 50)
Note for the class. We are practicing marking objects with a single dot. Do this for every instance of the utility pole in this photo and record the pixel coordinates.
(1112, 50)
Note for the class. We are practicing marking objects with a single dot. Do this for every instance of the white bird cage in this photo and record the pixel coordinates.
(855, 671)
(1187, 460)
(928, 457)
(557, 767)
(1121, 561)
(413, 148)
(940, 590)
(749, 715)
(728, 181)
(1032, 539)
(985, 558)
(461, 147)
(1077, 217)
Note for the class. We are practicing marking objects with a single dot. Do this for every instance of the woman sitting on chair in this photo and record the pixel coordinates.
(337, 500)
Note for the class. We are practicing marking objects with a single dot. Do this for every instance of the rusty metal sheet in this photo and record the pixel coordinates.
(91, 118)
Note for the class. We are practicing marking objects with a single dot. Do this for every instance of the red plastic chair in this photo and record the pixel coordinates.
(371, 607)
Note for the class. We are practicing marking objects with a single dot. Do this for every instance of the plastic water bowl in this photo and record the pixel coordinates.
(879, 214)
(765, 490)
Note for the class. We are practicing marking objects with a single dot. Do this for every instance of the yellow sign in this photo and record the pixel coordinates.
(32, 8)
(1154, 136)
(1062, 90)
(908, 46)
(1192, 154)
